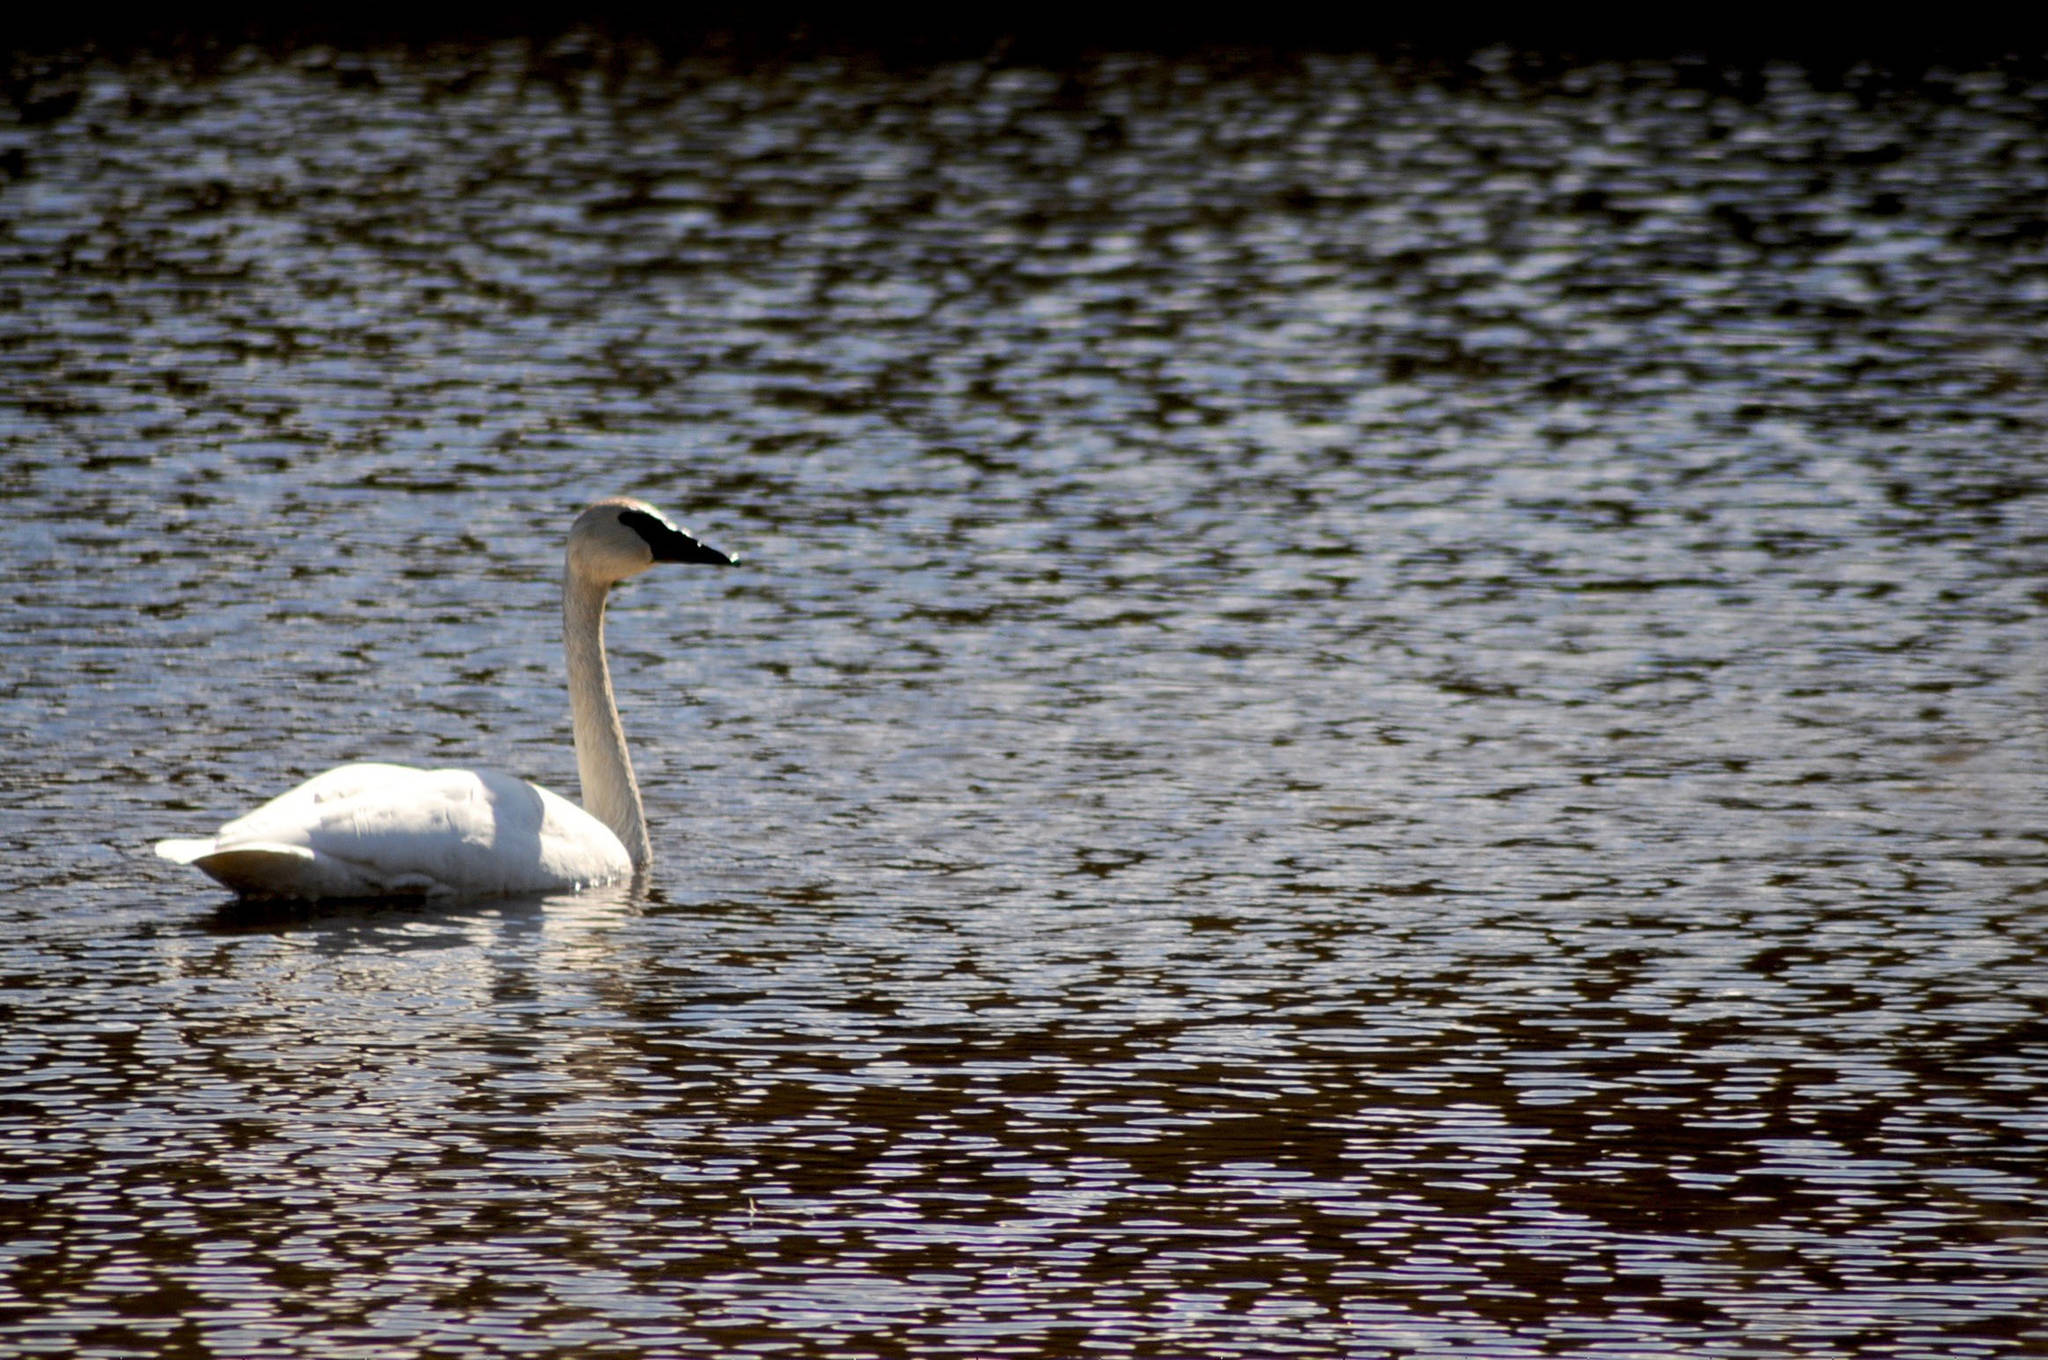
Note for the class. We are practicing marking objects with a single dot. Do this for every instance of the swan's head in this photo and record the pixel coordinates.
(621, 537)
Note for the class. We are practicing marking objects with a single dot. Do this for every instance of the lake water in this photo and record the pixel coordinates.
(1377, 706)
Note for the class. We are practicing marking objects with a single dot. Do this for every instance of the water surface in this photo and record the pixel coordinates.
(1377, 706)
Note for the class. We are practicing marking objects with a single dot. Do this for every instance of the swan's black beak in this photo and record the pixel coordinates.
(670, 544)
(680, 547)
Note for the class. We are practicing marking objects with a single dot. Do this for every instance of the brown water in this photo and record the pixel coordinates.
(1376, 707)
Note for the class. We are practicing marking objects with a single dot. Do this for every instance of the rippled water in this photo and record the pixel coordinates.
(1377, 705)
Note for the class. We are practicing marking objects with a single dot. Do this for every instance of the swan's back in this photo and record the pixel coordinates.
(392, 830)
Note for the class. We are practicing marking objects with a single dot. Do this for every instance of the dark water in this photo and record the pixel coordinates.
(1377, 707)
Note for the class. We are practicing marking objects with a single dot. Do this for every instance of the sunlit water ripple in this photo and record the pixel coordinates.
(1376, 706)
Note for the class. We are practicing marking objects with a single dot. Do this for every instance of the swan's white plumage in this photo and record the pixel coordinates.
(374, 830)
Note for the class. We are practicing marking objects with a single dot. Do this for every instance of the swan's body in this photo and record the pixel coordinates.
(392, 830)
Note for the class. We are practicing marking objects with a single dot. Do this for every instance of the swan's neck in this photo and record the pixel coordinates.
(610, 793)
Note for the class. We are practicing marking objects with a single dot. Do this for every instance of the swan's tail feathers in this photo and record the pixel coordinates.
(251, 868)
(186, 852)
(278, 869)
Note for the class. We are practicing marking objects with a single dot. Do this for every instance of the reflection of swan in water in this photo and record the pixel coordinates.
(391, 830)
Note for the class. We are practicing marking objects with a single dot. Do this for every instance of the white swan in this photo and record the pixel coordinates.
(391, 830)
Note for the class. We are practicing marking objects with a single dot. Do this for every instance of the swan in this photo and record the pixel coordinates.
(373, 830)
